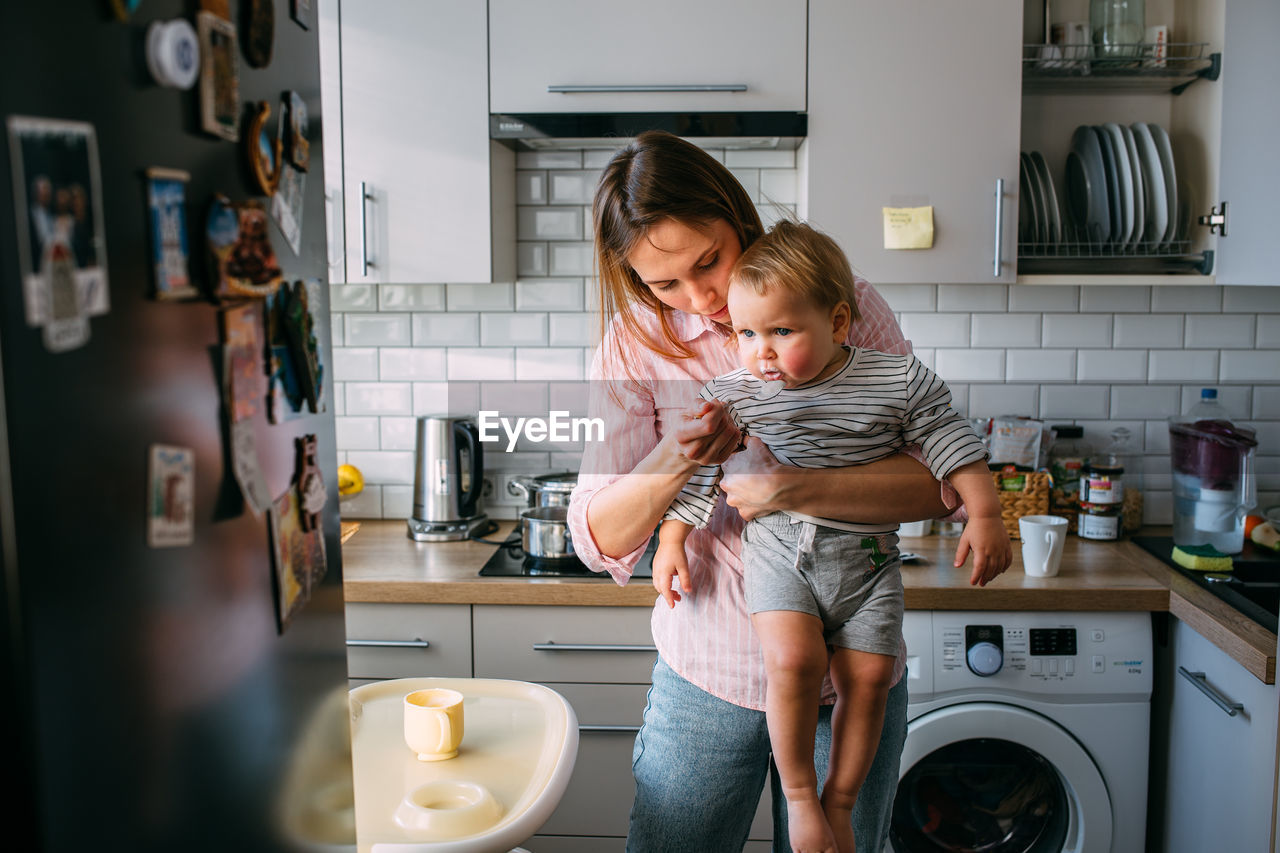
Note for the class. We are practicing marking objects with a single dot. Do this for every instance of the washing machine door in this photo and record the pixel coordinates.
(985, 777)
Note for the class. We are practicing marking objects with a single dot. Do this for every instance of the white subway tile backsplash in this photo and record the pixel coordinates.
(549, 223)
(531, 259)
(1179, 365)
(749, 158)
(379, 398)
(339, 398)
(1219, 331)
(1100, 365)
(384, 466)
(597, 158)
(550, 363)
(1052, 297)
(570, 259)
(573, 330)
(1042, 365)
(1186, 300)
(1251, 299)
(353, 297)
(451, 329)
(557, 159)
(991, 329)
(522, 329)
(470, 363)
(972, 297)
(927, 355)
(1266, 402)
(549, 294)
(771, 214)
(778, 186)
(397, 501)
(1144, 401)
(1234, 399)
(1156, 436)
(397, 433)
(960, 398)
(411, 297)
(497, 296)
(910, 297)
(514, 398)
(1074, 402)
(938, 330)
(531, 187)
(750, 180)
(366, 504)
(355, 363)
(411, 363)
(1269, 332)
(1261, 365)
(1147, 330)
(572, 187)
(1119, 298)
(371, 330)
(969, 365)
(445, 398)
(987, 401)
(569, 396)
(356, 433)
(1082, 331)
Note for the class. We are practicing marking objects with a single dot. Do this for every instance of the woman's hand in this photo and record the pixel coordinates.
(753, 480)
(708, 435)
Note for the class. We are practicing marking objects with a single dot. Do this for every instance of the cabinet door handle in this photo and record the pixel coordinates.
(999, 225)
(365, 198)
(624, 729)
(1198, 679)
(612, 89)
(391, 644)
(590, 647)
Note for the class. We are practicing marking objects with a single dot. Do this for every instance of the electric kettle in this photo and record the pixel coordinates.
(448, 478)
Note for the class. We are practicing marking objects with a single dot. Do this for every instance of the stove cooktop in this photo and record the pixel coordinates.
(511, 561)
(1250, 587)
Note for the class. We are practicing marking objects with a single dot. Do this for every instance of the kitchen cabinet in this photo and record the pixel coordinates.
(1217, 788)
(559, 56)
(425, 195)
(408, 640)
(912, 104)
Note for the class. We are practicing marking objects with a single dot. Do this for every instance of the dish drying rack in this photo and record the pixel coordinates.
(1083, 257)
(1074, 67)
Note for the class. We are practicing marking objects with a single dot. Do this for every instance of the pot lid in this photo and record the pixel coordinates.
(563, 481)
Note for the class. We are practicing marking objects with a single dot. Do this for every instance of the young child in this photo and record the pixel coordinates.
(814, 583)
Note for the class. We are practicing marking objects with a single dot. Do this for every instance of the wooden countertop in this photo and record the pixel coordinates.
(382, 564)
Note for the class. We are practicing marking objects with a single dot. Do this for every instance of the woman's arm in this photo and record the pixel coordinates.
(894, 489)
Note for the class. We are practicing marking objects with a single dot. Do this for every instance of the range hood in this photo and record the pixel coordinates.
(735, 130)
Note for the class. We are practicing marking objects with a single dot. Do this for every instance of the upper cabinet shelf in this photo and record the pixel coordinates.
(1070, 69)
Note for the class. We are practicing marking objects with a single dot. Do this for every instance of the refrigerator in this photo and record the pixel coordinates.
(174, 643)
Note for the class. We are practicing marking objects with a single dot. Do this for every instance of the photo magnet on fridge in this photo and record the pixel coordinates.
(258, 19)
(263, 150)
(171, 496)
(167, 206)
(297, 556)
(61, 241)
(219, 76)
(299, 149)
(240, 254)
(244, 374)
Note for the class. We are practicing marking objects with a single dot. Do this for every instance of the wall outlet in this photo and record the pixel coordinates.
(503, 494)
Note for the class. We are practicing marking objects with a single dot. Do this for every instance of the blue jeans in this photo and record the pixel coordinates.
(700, 765)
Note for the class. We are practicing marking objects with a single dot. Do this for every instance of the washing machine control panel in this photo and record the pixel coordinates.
(984, 649)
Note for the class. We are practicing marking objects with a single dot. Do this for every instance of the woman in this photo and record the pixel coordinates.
(669, 223)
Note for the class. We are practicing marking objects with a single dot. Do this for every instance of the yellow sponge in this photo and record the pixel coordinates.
(1201, 558)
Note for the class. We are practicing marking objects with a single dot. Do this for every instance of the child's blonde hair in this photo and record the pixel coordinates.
(801, 260)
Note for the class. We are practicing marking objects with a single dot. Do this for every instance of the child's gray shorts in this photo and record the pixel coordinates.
(851, 581)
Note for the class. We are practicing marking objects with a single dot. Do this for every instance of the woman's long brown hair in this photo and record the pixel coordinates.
(658, 176)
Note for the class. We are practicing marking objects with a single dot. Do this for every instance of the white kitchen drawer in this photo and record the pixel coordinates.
(533, 46)
(606, 645)
(601, 790)
(408, 640)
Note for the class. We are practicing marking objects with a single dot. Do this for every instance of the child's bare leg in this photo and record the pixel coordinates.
(795, 659)
(862, 681)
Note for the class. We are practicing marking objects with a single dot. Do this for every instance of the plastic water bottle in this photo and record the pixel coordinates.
(1208, 409)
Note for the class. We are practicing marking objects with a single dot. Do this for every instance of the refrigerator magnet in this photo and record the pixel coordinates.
(61, 242)
(247, 467)
(312, 494)
(243, 368)
(302, 12)
(263, 151)
(170, 496)
(259, 23)
(300, 332)
(286, 397)
(297, 556)
(240, 253)
(173, 53)
(167, 211)
(286, 205)
(299, 148)
(219, 76)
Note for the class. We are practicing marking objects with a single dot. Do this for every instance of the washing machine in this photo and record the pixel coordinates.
(1027, 732)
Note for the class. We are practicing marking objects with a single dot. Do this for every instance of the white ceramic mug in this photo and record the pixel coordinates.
(1043, 537)
(433, 723)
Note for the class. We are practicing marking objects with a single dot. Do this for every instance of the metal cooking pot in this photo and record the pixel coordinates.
(547, 490)
(544, 533)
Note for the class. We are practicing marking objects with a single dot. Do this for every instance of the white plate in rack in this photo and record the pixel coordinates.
(1049, 195)
(1165, 149)
(1139, 188)
(1124, 181)
(1157, 200)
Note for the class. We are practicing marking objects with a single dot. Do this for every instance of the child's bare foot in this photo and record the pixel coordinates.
(838, 811)
(807, 826)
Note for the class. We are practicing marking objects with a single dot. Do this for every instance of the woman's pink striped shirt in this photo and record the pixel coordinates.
(707, 638)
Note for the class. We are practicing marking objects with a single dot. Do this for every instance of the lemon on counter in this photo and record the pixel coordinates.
(350, 481)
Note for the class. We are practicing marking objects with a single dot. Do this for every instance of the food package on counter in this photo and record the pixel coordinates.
(1016, 440)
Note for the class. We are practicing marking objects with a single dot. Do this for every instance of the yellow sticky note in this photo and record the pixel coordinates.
(908, 227)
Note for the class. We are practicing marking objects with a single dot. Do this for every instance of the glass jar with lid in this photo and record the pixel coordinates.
(1118, 27)
(1120, 453)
